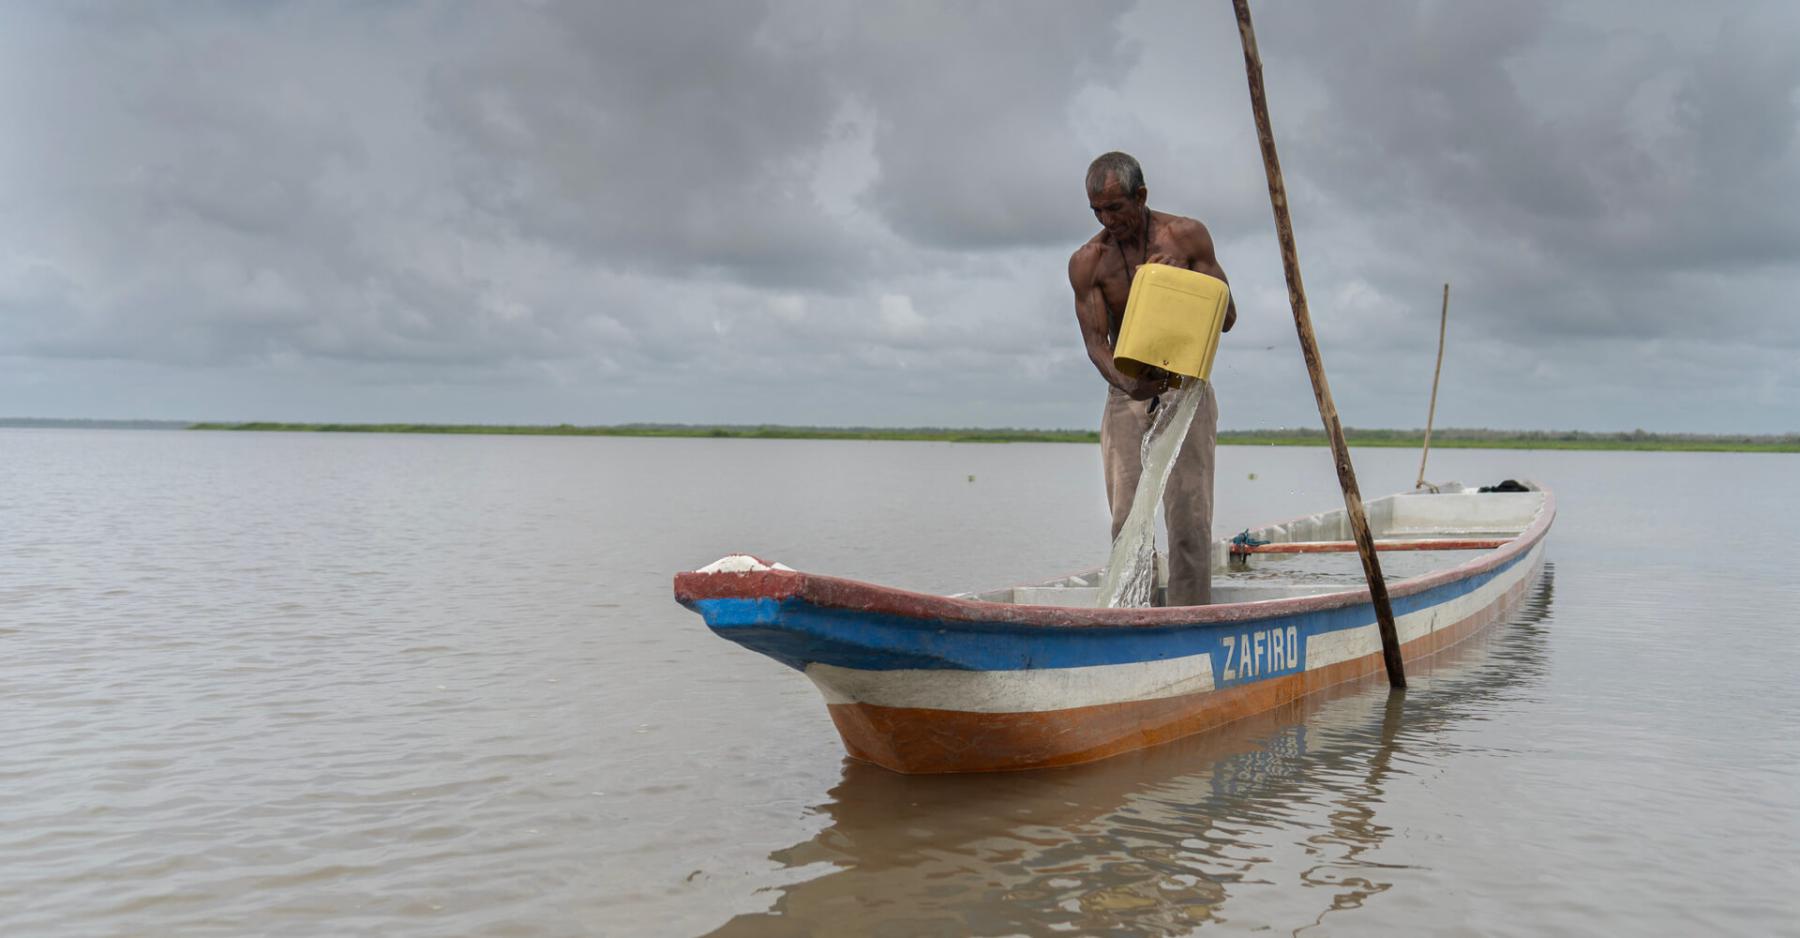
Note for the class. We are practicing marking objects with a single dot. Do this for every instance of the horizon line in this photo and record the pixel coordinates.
(1448, 436)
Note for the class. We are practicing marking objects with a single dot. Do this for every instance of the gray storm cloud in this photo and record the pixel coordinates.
(813, 212)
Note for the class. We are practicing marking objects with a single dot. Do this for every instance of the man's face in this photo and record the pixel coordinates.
(1121, 213)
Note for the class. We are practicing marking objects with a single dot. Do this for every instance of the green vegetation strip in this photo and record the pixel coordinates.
(765, 432)
(1527, 439)
(1446, 439)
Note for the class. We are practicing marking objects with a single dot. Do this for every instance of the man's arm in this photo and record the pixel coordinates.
(1090, 314)
(1197, 243)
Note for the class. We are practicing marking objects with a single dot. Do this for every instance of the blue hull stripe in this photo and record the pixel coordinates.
(796, 632)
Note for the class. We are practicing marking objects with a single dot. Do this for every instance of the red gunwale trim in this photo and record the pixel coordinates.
(855, 595)
(1345, 547)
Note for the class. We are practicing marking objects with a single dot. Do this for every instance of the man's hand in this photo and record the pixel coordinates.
(1152, 382)
(1173, 261)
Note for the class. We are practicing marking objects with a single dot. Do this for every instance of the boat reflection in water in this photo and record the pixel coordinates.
(1157, 841)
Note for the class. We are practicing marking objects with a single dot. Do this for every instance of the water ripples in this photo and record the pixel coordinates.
(289, 684)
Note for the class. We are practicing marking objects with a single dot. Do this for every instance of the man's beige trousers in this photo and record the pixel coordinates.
(1188, 500)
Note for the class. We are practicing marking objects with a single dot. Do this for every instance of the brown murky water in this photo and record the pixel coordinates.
(311, 684)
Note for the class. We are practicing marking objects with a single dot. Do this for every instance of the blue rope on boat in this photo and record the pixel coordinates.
(1243, 539)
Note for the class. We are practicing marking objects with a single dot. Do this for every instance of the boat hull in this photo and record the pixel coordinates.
(931, 684)
(925, 740)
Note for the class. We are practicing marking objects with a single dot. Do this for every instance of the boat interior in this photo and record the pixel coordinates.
(1415, 533)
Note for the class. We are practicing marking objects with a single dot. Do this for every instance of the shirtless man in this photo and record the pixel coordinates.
(1101, 271)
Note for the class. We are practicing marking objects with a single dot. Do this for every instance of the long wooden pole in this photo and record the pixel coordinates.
(1431, 413)
(1309, 346)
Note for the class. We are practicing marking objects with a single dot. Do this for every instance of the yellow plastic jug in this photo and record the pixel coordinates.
(1172, 321)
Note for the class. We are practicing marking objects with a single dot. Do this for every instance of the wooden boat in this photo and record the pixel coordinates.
(1034, 676)
(1045, 838)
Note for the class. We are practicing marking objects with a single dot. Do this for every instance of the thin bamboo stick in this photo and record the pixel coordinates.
(1309, 346)
(1431, 414)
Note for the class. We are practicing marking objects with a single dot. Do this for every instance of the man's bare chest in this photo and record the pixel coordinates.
(1117, 267)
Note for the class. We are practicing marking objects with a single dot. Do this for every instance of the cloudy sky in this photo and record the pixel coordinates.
(831, 213)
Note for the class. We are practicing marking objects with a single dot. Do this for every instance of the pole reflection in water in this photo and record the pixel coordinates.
(1157, 841)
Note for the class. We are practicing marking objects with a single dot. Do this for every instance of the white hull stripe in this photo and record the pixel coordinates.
(1038, 690)
(1026, 691)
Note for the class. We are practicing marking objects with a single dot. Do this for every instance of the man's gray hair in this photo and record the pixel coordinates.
(1121, 166)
